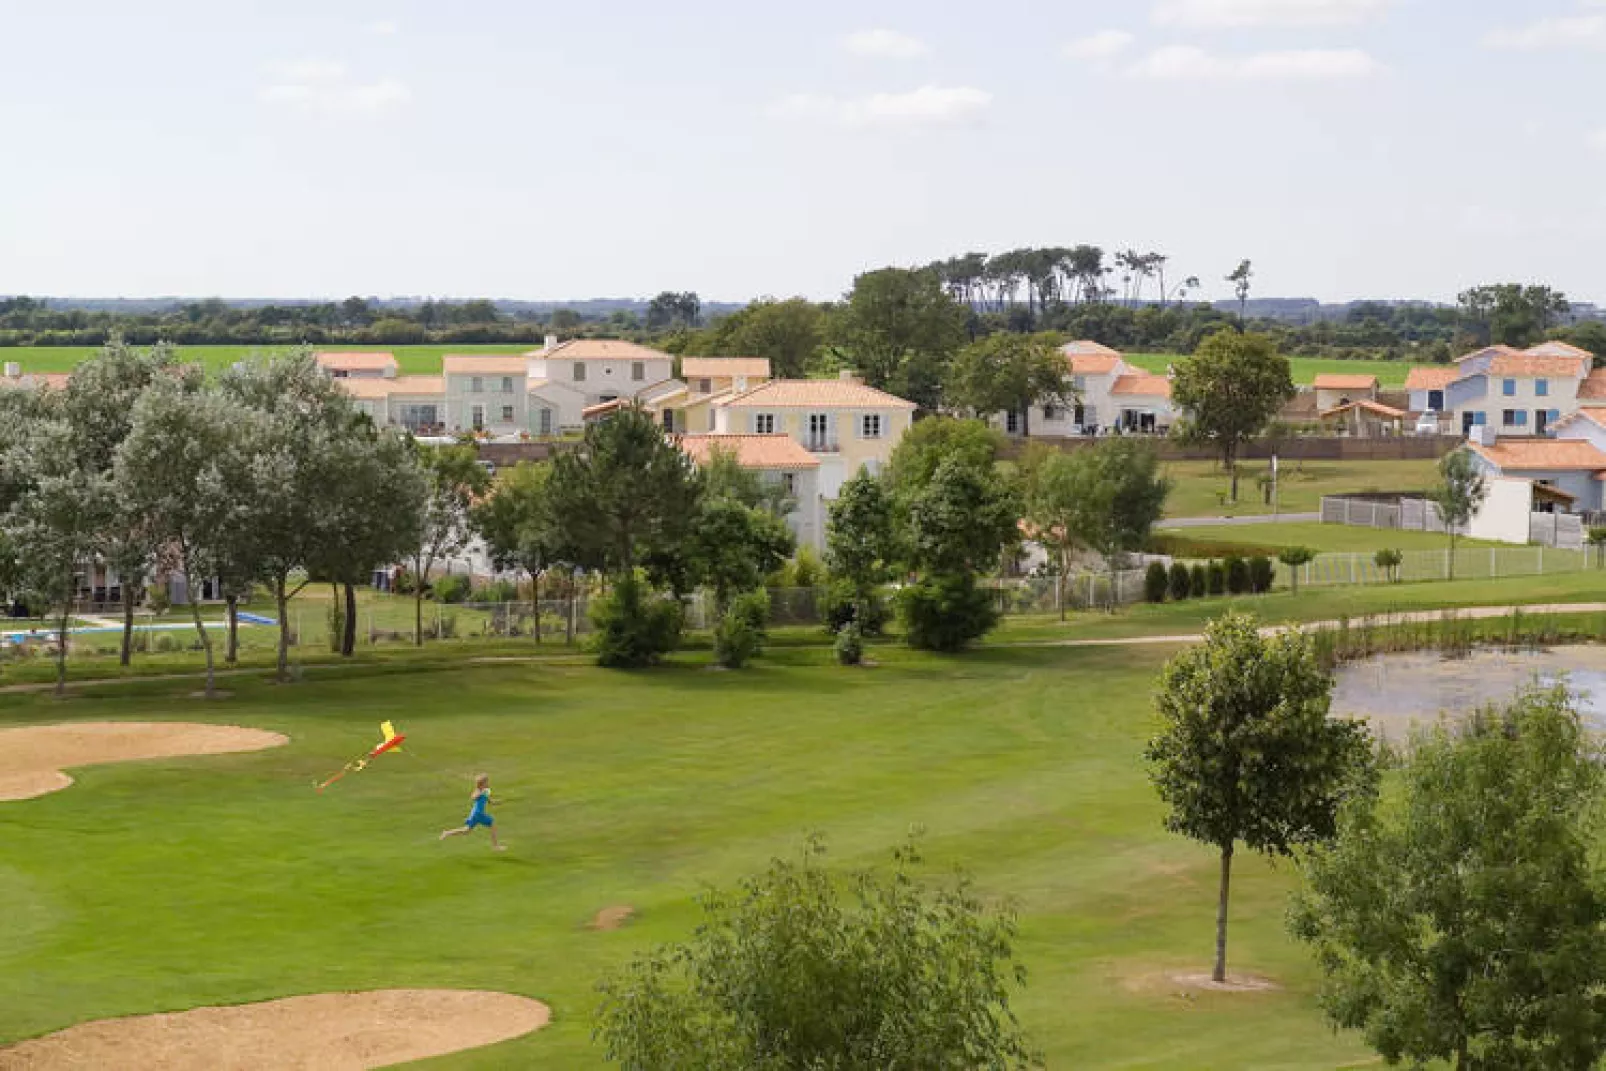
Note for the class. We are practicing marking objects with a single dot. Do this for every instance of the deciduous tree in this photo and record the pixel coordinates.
(519, 529)
(1247, 752)
(1230, 389)
(1008, 373)
(454, 480)
(1459, 495)
(900, 327)
(861, 546)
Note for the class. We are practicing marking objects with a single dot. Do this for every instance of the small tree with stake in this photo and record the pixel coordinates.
(1459, 495)
(1247, 752)
(1294, 558)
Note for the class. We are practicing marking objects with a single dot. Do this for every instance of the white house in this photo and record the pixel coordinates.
(778, 459)
(357, 365)
(486, 393)
(1519, 392)
(1334, 390)
(1566, 472)
(599, 370)
(1110, 393)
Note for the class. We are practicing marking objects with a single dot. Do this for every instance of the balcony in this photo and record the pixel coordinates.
(819, 444)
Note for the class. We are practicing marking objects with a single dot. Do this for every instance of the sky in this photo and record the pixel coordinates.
(322, 148)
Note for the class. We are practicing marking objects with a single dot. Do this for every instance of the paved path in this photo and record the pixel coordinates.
(1233, 522)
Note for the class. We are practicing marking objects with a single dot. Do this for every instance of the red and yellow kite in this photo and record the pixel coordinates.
(392, 739)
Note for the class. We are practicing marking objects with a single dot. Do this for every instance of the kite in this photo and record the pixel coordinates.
(392, 740)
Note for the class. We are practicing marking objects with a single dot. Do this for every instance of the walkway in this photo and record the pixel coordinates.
(1233, 522)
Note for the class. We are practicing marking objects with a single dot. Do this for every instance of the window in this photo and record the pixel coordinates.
(579, 372)
(1479, 419)
(507, 384)
(476, 385)
(1508, 387)
(764, 424)
(1050, 413)
(1079, 415)
(819, 431)
(669, 420)
(1542, 388)
(478, 413)
(546, 422)
(1436, 401)
(507, 414)
(705, 386)
(789, 482)
(638, 370)
(870, 426)
(1012, 422)
(1514, 418)
(1079, 382)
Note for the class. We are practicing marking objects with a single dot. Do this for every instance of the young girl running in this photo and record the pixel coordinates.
(478, 815)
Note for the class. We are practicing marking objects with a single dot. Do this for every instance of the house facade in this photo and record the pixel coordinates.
(357, 365)
(598, 370)
(844, 424)
(1567, 473)
(1110, 394)
(715, 375)
(1339, 389)
(778, 460)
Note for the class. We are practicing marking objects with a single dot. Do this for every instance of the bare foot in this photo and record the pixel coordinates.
(499, 847)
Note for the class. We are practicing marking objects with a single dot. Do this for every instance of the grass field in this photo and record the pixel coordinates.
(178, 883)
(1200, 488)
(426, 360)
(1325, 538)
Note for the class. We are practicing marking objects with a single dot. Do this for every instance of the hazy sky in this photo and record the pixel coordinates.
(1352, 148)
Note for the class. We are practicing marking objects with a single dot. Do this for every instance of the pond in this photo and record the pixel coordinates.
(1396, 691)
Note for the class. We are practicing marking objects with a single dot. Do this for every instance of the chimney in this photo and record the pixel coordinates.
(13, 370)
(847, 375)
(551, 344)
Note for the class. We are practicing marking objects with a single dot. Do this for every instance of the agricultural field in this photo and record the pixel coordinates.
(1201, 488)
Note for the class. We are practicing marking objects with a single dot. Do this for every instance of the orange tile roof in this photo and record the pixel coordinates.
(752, 451)
(491, 364)
(1554, 455)
(1431, 378)
(363, 361)
(600, 349)
(1594, 414)
(717, 367)
(824, 393)
(384, 387)
(1523, 364)
(1488, 351)
(1594, 385)
(1142, 383)
(1086, 348)
(1366, 404)
(612, 405)
(1344, 381)
(1555, 348)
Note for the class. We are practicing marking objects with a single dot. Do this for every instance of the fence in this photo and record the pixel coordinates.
(1382, 511)
(1084, 591)
(1470, 563)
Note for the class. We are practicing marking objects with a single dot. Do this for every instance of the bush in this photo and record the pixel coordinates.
(1181, 581)
(850, 645)
(451, 589)
(1261, 574)
(1199, 580)
(1389, 561)
(1237, 575)
(945, 612)
(1155, 581)
(1216, 577)
(498, 591)
(1182, 545)
(807, 572)
(740, 634)
(402, 582)
(837, 609)
(633, 630)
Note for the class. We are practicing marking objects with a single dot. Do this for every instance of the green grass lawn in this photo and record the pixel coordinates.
(1323, 537)
(1200, 488)
(172, 884)
(412, 360)
(1390, 374)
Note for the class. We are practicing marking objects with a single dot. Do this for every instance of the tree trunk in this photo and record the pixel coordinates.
(282, 604)
(1220, 972)
(535, 604)
(1026, 421)
(231, 651)
(1231, 458)
(348, 636)
(200, 627)
(61, 648)
(127, 651)
(418, 603)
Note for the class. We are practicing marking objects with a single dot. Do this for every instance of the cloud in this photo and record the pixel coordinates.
(1180, 62)
(1104, 45)
(384, 28)
(328, 87)
(928, 106)
(1245, 13)
(1556, 31)
(884, 44)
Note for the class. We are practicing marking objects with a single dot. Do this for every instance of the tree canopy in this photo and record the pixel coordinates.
(1231, 388)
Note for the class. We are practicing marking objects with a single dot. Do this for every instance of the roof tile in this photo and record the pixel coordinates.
(719, 367)
(1531, 455)
(752, 451)
(825, 393)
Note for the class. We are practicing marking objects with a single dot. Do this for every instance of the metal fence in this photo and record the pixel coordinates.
(1082, 591)
(1469, 563)
(1411, 514)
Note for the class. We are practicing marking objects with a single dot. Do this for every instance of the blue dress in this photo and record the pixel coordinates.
(477, 816)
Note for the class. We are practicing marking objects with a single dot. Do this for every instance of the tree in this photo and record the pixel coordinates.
(900, 328)
(789, 972)
(180, 471)
(454, 479)
(958, 524)
(1389, 560)
(1597, 539)
(519, 529)
(1240, 279)
(1461, 920)
(1247, 751)
(54, 527)
(1231, 388)
(1010, 373)
(1459, 495)
(1294, 557)
(1512, 314)
(670, 308)
(734, 547)
(930, 442)
(787, 333)
(861, 545)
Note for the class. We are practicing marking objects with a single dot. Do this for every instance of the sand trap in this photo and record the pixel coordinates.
(32, 758)
(326, 1031)
(611, 918)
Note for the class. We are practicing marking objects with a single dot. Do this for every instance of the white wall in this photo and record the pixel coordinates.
(1504, 515)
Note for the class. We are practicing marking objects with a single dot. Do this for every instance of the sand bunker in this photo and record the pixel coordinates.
(326, 1031)
(32, 758)
(611, 918)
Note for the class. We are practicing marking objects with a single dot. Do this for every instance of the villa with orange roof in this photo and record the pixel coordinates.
(1517, 392)
(1110, 393)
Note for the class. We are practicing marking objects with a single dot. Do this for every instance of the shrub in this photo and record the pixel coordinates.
(1155, 581)
(850, 645)
(807, 572)
(1294, 557)
(1181, 581)
(1389, 561)
(837, 609)
(451, 589)
(1261, 574)
(1237, 575)
(1182, 545)
(402, 582)
(633, 630)
(945, 611)
(1199, 580)
(740, 634)
(1216, 577)
(498, 591)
